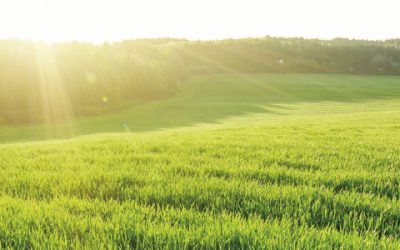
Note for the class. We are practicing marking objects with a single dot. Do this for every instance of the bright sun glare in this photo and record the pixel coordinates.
(106, 20)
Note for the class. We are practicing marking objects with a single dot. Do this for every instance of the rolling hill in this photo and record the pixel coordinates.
(246, 161)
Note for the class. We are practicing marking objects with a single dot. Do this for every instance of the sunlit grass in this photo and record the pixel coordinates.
(330, 181)
(226, 163)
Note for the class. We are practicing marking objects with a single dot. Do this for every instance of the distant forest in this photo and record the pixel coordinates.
(39, 82)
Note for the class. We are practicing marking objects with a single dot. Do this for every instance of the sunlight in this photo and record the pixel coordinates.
(180, 124)
(105, 20)
(55, 104)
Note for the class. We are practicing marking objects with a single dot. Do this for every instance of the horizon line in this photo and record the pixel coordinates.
(87, 41)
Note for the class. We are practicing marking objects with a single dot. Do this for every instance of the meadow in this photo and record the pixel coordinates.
(232, 161)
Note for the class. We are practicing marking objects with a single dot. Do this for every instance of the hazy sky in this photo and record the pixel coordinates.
(101, 20)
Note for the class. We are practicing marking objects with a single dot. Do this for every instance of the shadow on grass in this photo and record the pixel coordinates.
(213, 98)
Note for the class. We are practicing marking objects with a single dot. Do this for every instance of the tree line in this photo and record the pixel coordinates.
(39, 82)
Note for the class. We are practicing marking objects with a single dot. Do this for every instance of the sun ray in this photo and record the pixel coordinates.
(56, 110)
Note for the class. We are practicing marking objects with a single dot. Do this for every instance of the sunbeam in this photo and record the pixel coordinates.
(55, 103)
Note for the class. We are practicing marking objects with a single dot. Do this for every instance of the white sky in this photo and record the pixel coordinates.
(109, 20)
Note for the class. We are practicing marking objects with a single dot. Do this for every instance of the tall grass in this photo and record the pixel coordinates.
(329, 181)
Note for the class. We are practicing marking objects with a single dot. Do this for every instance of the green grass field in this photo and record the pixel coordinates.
(275, 161)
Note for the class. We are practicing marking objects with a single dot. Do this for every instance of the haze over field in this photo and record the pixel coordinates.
(253, 137)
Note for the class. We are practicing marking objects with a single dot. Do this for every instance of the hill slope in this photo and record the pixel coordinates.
(245, 161)
(216, 98)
